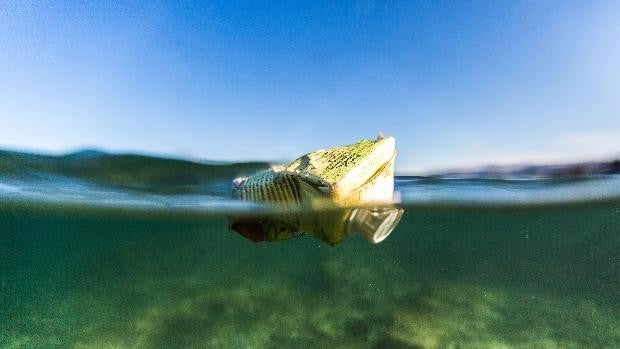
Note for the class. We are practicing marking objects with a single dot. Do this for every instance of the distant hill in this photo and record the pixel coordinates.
(525, 171)
(157, 174)
(86, 153)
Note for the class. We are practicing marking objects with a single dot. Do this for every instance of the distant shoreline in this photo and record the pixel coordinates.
(579, 169)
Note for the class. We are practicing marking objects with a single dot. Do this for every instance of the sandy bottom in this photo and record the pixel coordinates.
(342, 305)
(121, 284)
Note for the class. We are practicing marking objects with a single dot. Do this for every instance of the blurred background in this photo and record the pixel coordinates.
(459, 84)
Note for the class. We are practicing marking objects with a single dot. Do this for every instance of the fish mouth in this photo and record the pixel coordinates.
(374, 224)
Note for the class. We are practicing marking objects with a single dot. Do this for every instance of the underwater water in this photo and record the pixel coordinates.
(124, 251)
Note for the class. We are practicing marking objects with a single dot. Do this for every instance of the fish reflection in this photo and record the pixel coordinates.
(328, 193)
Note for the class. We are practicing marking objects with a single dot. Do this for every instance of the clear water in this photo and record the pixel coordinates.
(101, 251)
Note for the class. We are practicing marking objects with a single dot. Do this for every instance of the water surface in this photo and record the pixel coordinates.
(108, 251)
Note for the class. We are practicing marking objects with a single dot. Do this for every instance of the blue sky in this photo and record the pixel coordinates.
(457, 83)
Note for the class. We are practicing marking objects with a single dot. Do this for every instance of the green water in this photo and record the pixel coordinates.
(447, 277)
(125, 251)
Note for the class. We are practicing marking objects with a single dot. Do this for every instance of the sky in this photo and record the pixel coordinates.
(457, 83)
